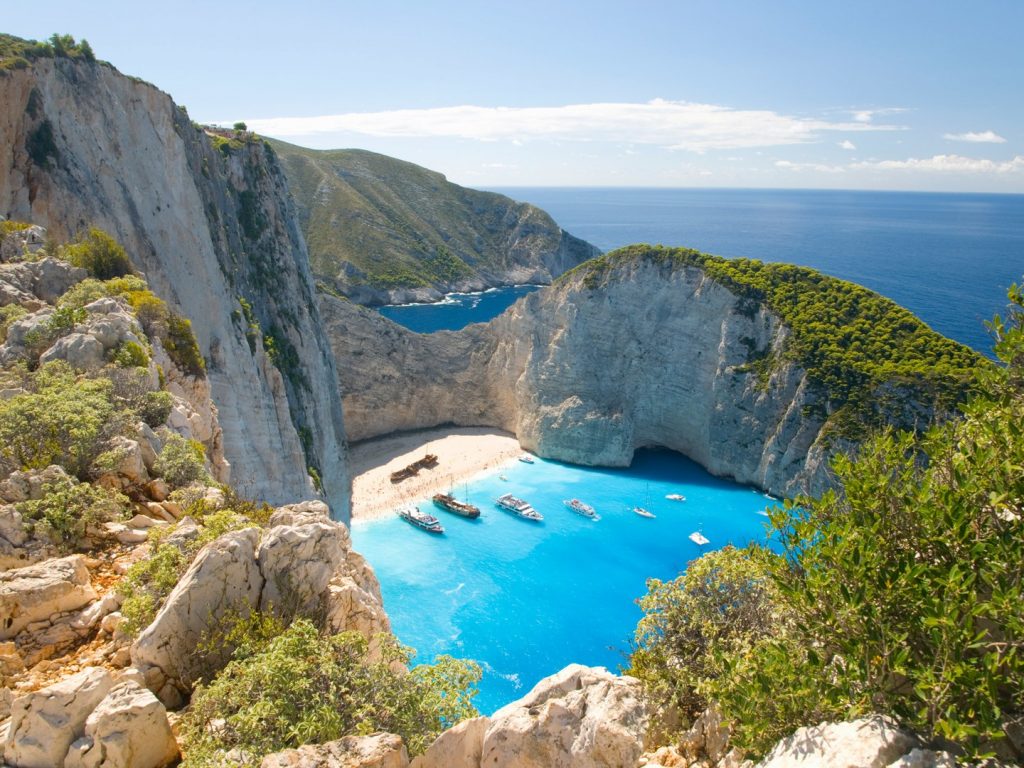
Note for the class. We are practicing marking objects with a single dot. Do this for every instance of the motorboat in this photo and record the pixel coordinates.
(581, 508)
(518, 507)
(420, 519)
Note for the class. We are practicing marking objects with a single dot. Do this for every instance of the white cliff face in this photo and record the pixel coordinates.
(656, 356)
(207, 227)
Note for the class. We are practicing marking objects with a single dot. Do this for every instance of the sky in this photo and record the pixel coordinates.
(901, 94)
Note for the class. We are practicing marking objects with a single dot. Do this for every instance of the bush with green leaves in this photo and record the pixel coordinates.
(64, 419)
(722, 605)
(100, 254)
(66, 509)
(902, 589)
(290, 686)
(60, 323)
(9, 314)
(181, 462)
(130, 354)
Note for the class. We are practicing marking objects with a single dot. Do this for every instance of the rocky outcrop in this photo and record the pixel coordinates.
(209, 225)
(384, 231)
(46, 722)
(381, 750)
(657, 356)
(30, 596)
(128, 729)
(871, 742)
(581, 717)
(301, 566)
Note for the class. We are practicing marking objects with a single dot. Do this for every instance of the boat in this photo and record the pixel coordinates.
(518, 507)
(699, 539)
(643, 512)
(422, 520)
(581, 508)
(526, 458)
(453, 505)
(503, 477)
(675, 497)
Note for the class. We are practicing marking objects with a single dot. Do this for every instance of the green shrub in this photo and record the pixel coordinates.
(7, 226)
(8, 315)
(148, 582)
(41, 145)
(130, 354)
(64, 420)
(182, 347)
(284, 688)
(181, 462)
(60, 323)
(156, 408)
(724, 603)
(67, 508)
(85, 292)
(100, 254)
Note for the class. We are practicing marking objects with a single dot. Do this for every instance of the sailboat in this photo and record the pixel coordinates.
(641, 510)
(447, 501)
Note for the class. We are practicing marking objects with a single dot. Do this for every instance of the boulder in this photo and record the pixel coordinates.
(45, 723)
(298, 562)
(707, 737)
(128, 460)
(53, 277)
(581, 717)
(82, 352)
(33, 594)
(223, 579)
(128, 729)
(870, 742)
(381, 750)
(925, 758)
(354, 601)
(461, 746)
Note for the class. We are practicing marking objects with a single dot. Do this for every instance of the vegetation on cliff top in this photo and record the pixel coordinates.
(868, 355)
(374, 220)
(899, 593)
(16, 53)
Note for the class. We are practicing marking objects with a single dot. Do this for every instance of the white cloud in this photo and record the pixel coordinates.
(669, 124)
(820, 167)
(868, 115)
(946, 164)
(976, 137)
(846, 144)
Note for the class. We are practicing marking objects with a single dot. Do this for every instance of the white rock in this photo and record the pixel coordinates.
(45, 723)
(461, 746)
(870, 742)
(128, 460)
(128, 729)
(81, 350)
(582, 717)
(381, 750)
(298, 562)
(224, 578)
(925, 758)
(37, 592)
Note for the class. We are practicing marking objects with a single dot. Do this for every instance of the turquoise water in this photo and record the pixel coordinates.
(948, 258)
(525, 599)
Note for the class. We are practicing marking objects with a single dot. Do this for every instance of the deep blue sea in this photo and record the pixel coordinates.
(526, 599)
(949, 258)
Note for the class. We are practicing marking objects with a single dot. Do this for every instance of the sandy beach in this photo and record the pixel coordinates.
(462, 452)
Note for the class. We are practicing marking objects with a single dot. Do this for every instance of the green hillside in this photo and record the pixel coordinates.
(376, 222)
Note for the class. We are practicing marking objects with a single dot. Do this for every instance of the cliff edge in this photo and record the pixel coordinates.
(209, 220)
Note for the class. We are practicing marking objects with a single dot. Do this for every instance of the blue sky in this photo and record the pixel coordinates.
(900, 94)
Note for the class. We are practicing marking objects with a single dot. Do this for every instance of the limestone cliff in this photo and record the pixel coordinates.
(648, 352)
(383, 231)
(210, 222)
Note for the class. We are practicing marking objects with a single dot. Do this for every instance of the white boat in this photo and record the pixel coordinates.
(699, 539)
(421, 520)
(675, 497)
(643, 512)
(581, 508)
(526, 458)
(518, 507)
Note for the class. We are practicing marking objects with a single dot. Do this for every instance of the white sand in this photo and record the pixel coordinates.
(462, 453)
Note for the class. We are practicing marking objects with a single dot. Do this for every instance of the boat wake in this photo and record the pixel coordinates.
(512, 677)
(455, 590)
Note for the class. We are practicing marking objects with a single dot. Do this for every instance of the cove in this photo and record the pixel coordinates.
(525, 599)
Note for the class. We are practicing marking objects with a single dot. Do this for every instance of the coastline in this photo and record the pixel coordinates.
(463, 453)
